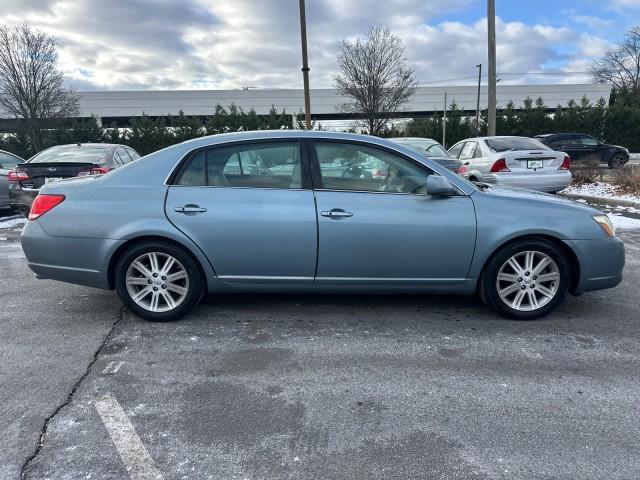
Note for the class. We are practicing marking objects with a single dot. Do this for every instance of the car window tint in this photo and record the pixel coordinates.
(8, 161)
(345, 166)
(588, 141)
(117, 159)
(468, 151)
(268, 165)
(132, 153)
(124, 156)
(456, 149)
(193, 174)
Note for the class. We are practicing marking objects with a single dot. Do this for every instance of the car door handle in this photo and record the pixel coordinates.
(190, 209)
(336, 213)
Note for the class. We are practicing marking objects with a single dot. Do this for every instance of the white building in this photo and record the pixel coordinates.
(112, 106)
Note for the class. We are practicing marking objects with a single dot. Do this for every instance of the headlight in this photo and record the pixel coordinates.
(605, 222)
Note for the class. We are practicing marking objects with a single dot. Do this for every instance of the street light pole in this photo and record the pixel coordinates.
(491, 100)
(305, 66)
(444, 122)
(478, 102)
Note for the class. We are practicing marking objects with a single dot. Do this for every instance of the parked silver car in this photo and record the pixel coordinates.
(514, 162)
(8, 161)
(174, 225)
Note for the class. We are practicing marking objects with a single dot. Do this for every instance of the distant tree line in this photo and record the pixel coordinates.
(147, 134)
(618, 123)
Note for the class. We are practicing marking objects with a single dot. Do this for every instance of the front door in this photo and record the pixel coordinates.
(377, 225)
(249, 208)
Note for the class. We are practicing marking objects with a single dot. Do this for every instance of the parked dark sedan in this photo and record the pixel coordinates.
(581, 147)
(8, 161)
(60, 162)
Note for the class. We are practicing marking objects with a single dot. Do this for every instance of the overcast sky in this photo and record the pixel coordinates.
(212, 44)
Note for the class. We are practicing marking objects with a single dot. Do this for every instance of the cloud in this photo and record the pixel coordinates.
(164, 44)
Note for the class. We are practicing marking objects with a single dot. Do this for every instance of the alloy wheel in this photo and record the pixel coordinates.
(528, 280)
(157, 282)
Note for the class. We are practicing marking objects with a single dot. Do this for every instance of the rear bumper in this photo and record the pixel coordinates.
(544, 182)
(20, 198)
(73, 260)
(601, 263)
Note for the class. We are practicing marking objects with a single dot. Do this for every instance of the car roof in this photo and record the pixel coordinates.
(412, 139)
(105, 145)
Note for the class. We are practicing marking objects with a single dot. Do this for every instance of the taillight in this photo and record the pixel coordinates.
(566, 163)
(17, 176)
(500, 165)
(94, 171)
(43, 203)
(462, 170)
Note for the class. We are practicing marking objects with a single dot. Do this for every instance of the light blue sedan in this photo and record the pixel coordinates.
(327, 212)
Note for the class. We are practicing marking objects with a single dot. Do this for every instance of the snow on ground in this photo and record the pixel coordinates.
(12, 222)
(624, 223)
(600, 189)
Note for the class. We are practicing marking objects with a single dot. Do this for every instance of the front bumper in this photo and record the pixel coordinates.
(601, 263)
(83, 261)
(544, 182)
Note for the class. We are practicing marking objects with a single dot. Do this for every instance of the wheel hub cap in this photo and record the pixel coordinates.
(157, 282)
(528, 280)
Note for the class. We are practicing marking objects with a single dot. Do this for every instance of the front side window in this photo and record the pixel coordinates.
(588, 141)
(345, 166)
(268, 165)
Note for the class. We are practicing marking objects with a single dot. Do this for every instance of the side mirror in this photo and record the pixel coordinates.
(438, 186)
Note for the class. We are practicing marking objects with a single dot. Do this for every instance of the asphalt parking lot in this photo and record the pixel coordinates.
(257, 387)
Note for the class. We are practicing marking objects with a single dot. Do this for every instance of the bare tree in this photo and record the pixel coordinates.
(375, 75)
(621, 66)
(31, 86)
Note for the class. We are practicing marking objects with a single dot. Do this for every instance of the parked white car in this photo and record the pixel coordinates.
(514, 162)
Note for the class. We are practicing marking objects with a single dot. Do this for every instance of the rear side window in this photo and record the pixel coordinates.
(455, 150)
(132, 153)
(8, 161)
(468, 151)
(268, 165)
(124, 156)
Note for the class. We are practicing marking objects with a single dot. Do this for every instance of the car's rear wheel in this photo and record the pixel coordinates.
(526, 279)
(158, 281)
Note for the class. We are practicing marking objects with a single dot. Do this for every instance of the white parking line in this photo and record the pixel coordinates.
(112, 368)
(135, 457)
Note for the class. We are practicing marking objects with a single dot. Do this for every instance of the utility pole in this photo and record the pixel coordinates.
(491, 107)
(478, 102)
(305, 66)
(444, 122)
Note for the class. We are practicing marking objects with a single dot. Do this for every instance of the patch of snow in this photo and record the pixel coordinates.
(12, 222)
(624, 223)
(600, 189)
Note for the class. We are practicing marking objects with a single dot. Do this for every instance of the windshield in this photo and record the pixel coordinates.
(72, 153)
(514, 143)
(428, 149)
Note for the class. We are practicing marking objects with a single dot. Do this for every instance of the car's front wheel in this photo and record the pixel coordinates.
(617, 160)
(158, 281)
(526, 279)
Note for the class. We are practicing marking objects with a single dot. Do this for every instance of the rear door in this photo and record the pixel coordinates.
(255, 225)
(385, 230)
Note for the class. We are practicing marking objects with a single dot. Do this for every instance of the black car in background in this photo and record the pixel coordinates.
(581, 147)
(63, 161)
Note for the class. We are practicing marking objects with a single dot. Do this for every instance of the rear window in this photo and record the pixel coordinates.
(427, 149)
(71, 154)
(514, 143)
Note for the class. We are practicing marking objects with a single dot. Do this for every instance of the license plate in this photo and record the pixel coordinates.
(51, 179)
(534, 164)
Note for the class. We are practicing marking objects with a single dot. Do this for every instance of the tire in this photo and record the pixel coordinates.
(166, 299)
(502, 295)
(617, 160)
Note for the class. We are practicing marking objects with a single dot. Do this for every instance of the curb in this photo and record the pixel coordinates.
(602, 200)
